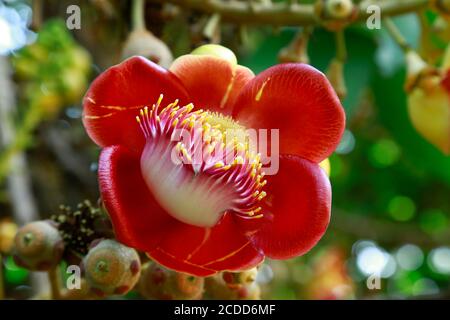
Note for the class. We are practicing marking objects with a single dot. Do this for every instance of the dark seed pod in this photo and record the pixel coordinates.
(158, 282)
(233, 285)
(80, 226)
(111, 268)
(38, 246)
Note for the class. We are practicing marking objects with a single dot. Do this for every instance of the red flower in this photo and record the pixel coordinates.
(201, 219)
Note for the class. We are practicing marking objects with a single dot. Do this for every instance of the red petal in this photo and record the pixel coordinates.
(222, 247)
(296, 209)
(174, 263)
(299, 101)
(213, 83)
(138, 220)
(114, 98)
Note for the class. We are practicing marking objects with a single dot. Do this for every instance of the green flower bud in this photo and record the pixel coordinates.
(158, 282)
(111, 268)
(38, 246)
(217, 51)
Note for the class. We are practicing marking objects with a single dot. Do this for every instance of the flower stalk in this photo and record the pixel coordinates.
(37, 14)
(297, 50)
(396, 35)
(336, 68)
(138, 15)
(280, 14)
(54, 278)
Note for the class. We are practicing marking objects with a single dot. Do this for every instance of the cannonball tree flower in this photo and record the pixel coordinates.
(202, 218)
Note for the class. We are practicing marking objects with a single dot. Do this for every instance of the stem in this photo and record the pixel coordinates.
(297, 50)
(336, 68)
(55, 283)
(396, 34)
(341, 49)
(301, 39)
(138, 15)
(280, 14)
(212, 28)
(19, 182)
(36, 14)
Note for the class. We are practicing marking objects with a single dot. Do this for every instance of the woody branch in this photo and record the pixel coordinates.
(290, 13)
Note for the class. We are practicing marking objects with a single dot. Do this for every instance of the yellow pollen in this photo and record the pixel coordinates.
(191, 123)
(241, 147)
(262, 195)
(222, 122)
(160, 99)
(219, 164)
(239, 160)
(189, 107)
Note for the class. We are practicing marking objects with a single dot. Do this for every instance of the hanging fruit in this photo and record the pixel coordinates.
(111, 268)
(234, 285)
(429, 100)
(38, 246)
(158, 282)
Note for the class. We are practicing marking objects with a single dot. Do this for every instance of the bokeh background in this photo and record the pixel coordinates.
(391, 188)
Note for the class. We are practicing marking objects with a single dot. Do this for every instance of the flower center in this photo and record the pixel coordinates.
(199, 164)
